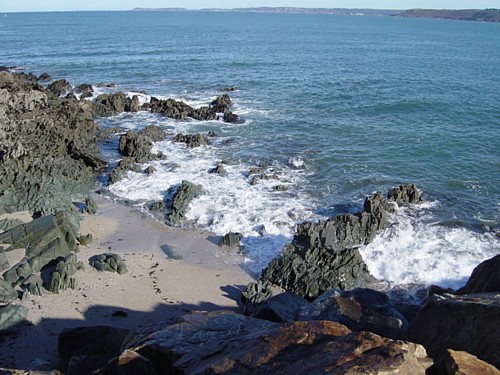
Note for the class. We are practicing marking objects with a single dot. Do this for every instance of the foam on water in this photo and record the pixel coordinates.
(264, 214)
(414, 250)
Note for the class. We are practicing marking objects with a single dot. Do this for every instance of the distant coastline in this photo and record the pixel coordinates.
(478, 15)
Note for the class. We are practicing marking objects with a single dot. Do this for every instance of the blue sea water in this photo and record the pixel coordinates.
(333, 107)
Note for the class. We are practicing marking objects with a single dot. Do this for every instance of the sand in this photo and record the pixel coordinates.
(170, 272)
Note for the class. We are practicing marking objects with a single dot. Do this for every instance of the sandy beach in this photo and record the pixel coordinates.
(170, 271)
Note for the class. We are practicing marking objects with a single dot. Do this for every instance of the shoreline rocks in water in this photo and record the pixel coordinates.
(324, 255)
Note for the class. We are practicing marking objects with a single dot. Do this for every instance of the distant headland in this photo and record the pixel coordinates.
(480, 15)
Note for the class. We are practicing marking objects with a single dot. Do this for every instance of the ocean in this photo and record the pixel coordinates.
(332, 109)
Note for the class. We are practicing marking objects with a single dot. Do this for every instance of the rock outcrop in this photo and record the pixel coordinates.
(324, 255)
(106, 105)
(181, 199)
(179, 110)
(49, 152)
(228, 343)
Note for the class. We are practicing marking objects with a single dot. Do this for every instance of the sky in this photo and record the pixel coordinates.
(65, 5)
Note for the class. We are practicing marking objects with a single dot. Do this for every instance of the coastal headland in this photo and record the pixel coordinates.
(92, 286)
(478, 15)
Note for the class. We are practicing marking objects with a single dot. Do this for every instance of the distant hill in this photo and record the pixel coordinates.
(485, 15)
(335, 11)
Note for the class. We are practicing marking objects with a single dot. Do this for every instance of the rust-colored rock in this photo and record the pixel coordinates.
(228, 343)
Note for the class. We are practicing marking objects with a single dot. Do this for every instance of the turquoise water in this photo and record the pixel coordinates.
(339, 107)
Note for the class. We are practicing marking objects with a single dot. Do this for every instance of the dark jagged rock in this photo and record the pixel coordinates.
(7, 293)
(468, 323)
(44, 77)
(404, 195)
(124, 165)
(109, 262)
(484, 278)
(45, 239)
(84, 90)
(85, 349)
(359, 310)
(192, 140)
(324, 255)
(39, 132)
(63, 276)
(113, 104)
(231, 239)
(203, 114)
(181, 199)
(171, 108)
(106, 85)
(228, 343)
(221, 104)
(181, 111)
(138, 145)
(11, 318)
(61, 87)
(231, 117)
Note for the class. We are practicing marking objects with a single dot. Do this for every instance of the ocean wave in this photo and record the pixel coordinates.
(414, 250)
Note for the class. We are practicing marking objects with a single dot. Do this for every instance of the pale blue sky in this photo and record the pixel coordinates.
(58, 5)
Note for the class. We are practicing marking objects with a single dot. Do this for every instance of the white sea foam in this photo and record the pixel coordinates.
(415, 251)
(230, 203)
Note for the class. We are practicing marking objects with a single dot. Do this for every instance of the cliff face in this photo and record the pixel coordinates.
(485, 15)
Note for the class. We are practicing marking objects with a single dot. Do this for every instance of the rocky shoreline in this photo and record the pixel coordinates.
(311, 310)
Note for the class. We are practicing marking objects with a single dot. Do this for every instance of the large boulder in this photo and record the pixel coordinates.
(61, 87)
(182, 197)
(192, 140)
(484, 278)
(468, 323)
(228, 343)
